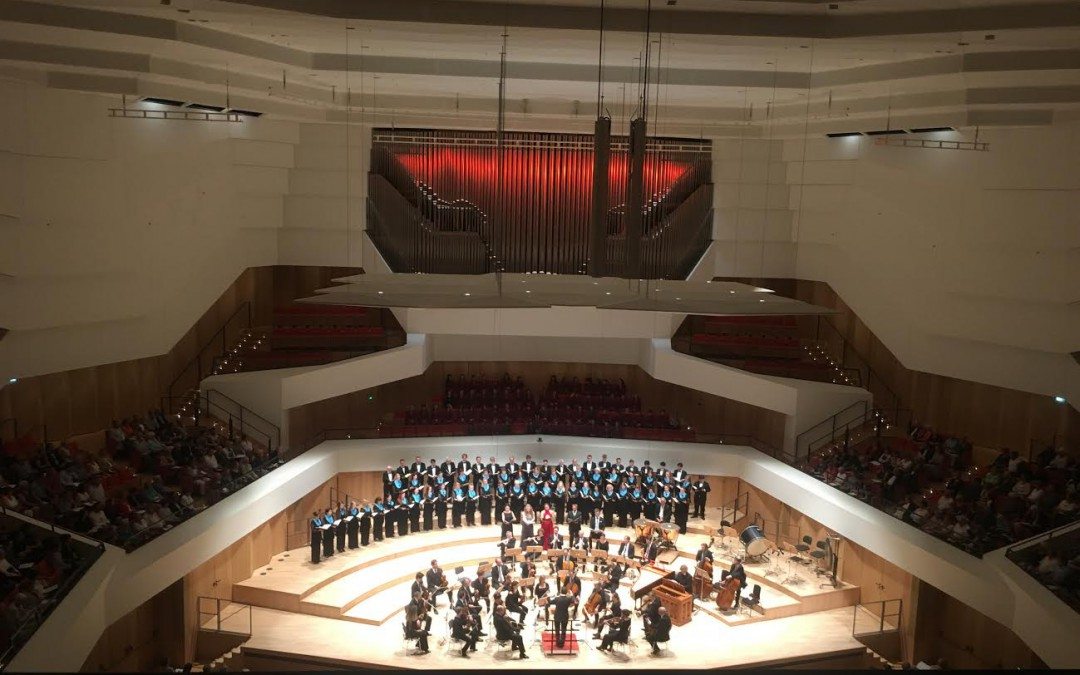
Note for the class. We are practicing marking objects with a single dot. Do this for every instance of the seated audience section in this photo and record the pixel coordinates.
(931, 481)
(135, 480)
(38, 566)
(1054, 559)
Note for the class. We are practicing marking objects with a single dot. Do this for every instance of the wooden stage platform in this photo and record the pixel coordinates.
(347, 610)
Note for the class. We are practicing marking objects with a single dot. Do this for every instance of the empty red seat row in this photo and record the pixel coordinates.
(322, 310)
(748, 340)
(785, 321)
(328, 331)
(659, 434)
(793, 365)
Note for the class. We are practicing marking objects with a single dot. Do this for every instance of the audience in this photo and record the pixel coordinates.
(932, 481)
(37, 567)
(153, 473)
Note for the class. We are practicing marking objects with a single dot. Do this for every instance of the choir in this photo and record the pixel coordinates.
(424, 495)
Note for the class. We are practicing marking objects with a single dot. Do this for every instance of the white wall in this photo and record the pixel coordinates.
(119, 233)
(963, 263)
(119, 583)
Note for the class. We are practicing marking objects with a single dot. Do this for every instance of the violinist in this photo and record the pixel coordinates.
(541, 593)
(466, 600)
(417, 585)
(509, 630)
(514, 601)
(481, 587)
(418, 607)
(618, 631)
(436, 583)
(416, 629)
(464, 627)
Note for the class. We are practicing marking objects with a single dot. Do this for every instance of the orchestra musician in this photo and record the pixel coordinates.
(418, 607)
(500, 571)
(509, 630)
(626, 548)
(465, 599)
(541, 595)
(618, 631)
(464, 627)
(436, 583)
(739, 573)
(481, 587)
(415, 628)
(508, 542)
(417, 585)
(514, 601)
(659, 630)
(652, 548)
(685, 579)
(703, 554)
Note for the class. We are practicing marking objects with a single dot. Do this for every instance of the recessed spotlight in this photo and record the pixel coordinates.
(678, 298)
(528, 291)
(607, 292)
(13, 380)
(732, 292)
(380, 292)
(1057, 399)
(761, 300)
(468, 294)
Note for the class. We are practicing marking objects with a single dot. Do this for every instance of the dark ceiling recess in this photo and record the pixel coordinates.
(163, 101)
(3, 332)
(1075, 355)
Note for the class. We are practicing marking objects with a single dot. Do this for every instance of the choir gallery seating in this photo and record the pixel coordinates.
(567, 406)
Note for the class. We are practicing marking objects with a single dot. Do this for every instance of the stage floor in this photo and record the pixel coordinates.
(347, 610)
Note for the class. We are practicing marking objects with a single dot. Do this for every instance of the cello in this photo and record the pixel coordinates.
(593, 603)
(725, 597)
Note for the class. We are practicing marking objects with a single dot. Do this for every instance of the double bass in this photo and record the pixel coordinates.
(725, 597)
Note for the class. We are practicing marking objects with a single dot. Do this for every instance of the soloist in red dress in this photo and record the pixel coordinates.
(547, 528)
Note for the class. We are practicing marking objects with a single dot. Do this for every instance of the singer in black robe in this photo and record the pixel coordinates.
(315, 537)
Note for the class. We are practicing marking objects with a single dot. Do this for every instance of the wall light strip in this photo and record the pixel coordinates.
(185, 114)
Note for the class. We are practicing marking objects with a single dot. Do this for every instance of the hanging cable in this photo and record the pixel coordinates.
(600, 65)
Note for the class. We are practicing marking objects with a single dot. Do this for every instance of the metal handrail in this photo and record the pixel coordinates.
(197, 359)
(882, 615)
(200, 398)
(831, 420)
(846, 349)
(217, 614)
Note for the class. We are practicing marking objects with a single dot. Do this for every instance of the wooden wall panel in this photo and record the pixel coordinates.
(86, 399)
(138, 640)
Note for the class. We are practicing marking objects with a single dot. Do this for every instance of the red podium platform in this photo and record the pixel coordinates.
(548, 646)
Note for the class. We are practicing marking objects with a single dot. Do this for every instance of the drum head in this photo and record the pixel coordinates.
(757, 547)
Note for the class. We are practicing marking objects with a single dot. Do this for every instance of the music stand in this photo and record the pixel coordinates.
(832, 546)
(511, 553)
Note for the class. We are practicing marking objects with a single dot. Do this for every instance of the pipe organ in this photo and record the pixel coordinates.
(450, 201)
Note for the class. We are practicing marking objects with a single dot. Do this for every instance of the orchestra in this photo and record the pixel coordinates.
(529, 501)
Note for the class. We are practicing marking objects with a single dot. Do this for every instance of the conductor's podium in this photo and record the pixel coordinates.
(679, 603)
(548, 646)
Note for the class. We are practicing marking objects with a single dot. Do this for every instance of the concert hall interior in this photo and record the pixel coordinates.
(539, 334)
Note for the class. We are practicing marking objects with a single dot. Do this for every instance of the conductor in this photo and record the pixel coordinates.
(562, 604)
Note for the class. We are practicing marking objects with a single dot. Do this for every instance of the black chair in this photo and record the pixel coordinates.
(755, 596)
(803, 547)
(820, 554)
